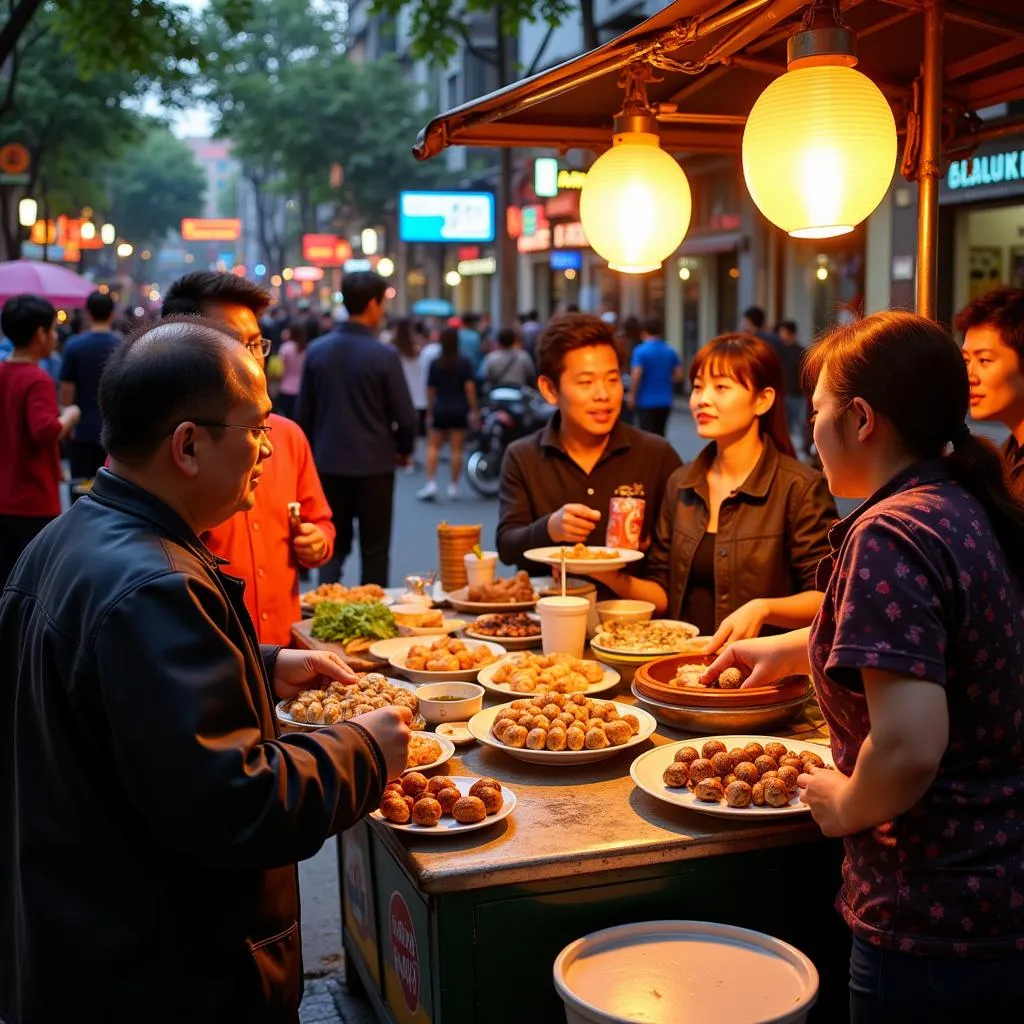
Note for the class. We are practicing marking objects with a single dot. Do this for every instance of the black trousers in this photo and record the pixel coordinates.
(86, 459)
(368, 501)
(15, 534)
(654, 420)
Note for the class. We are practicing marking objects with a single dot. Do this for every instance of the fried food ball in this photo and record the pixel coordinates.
(788, 776)
(633, 722)
(594, 723)
(687, 755)
(766, 763)
(792, 760)
(770, 775)
(809, 757)
(775, 793)
(747, 772)
(448, 798)
(738, 794)
(575, 738)
(595, 739)
(410, 802)
(701, 769)
(414, 784)
(556, 739)
(484, 782)
(492, 798)
(731, 679)
(710, 791)
(711, 748)
(501, 727)
(775, 749)
(469, 810)
(676, 775)
(332, 713)
(394, 808)
(727, 780)
(536, 738)
(738, 755)
(541, 722)
(515, 737)
(552, 711)
(426, 811)
(754, 751)
(757, 794)
(394, 786)
(722, 763)
(618, 732)
(314, 712)
(439, 782)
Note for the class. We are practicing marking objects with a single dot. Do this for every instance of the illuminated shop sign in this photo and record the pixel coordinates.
(566, 259)
(571, 179)
(478, 267)
(992, 169)
(446, 217)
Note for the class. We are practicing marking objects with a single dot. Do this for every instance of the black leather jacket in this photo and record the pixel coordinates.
(150, 813)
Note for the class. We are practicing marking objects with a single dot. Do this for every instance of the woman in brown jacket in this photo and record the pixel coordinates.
(743, 527)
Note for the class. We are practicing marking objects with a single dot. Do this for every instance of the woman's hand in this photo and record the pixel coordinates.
(296, 671)
(763, 659)
(742, 624)
(824, 790)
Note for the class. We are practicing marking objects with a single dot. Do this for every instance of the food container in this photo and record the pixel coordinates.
(667, 972)
(480, 570)
(563, 624)
(715, 722)
(622, 610)
(469, 699)
(626, 517)
(576, 587)
(454, 543)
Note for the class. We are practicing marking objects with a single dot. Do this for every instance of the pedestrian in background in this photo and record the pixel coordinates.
(508, 365)
(355, 407)
(470, 342)
(31, 428)
(655, 369)
(293, 356)
(408, 343)
(791, 355)
(81, 366)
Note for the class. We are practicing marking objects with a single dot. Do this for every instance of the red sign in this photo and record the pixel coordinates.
(325, 250)
(403, 951)
(211, 229)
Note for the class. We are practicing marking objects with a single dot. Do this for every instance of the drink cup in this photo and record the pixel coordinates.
(563, 624)
(480, 571)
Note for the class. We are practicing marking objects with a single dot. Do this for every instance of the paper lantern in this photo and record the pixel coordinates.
(819, 150)
(635, 204)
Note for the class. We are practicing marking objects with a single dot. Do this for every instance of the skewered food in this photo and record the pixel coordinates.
(341, 701)
(446, 654)
(584, 723)
(511, 591)
(511, 626)
(557, 673)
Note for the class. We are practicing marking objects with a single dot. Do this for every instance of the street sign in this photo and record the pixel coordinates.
(15, 161)
(211, 229)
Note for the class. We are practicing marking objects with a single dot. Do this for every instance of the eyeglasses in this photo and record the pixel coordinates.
(262, 346)
(254, 431)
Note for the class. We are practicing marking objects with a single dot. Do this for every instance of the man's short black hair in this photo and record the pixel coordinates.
(23, 315)
(754, 315)
(171, 371)
(358, 289)
(100, 306)
(191, 294)
(565, 334)
(786, 325)
(507, 337)
(654, 326)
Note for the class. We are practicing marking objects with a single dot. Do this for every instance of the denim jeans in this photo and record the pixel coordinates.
(894, 988)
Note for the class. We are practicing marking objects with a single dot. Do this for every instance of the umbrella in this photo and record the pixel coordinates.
(432, 307)
(50, 281)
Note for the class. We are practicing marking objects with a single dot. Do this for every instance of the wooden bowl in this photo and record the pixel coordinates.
(655, 680)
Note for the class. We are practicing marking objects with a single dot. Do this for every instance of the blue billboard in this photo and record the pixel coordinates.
(566, 259)
(446, 216)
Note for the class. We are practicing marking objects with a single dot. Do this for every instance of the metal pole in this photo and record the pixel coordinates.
(931, 161)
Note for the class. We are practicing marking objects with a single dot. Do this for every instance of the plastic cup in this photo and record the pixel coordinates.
(480, 571)
(563, 624)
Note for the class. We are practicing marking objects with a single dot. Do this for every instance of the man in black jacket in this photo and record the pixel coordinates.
(150, 812)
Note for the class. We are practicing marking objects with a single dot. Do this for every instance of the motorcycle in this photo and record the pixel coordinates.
(508, 414)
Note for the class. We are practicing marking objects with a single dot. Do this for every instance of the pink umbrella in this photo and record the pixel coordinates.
(49, 280)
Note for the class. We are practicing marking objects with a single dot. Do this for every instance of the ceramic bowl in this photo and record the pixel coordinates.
(470, 701)
(621, 610)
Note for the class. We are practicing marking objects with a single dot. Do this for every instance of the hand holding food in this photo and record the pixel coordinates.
(309, 544)
(572, 523)
(761, 661)
(390, 729)
(295, 671)
(340, 701)
(742, 624)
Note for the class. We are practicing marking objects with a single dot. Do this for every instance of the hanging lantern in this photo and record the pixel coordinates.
(819, 147)
(635, 203)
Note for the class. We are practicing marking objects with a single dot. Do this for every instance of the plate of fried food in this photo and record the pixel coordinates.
(336, 592)
(445, 805)
(515, 631)
(537, 673)
(652, 639)
(515, 594)
(557, 728)
(730, 776)
(583, 559)
(428, 750)
(338, 702)
(435, 659)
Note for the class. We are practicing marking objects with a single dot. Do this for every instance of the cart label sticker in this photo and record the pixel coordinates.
(403, 951)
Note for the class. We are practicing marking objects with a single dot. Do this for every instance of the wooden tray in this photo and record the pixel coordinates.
(654, 680)
(364, 662)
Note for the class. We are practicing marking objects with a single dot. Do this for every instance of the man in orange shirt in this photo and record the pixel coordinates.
(259, 544)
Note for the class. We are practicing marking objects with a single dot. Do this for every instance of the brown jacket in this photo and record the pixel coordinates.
(772, 531)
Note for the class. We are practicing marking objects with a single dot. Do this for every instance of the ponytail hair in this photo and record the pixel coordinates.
(911, 371)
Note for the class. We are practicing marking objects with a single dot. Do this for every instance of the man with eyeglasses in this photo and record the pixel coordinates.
(259, 543)
(151, 813)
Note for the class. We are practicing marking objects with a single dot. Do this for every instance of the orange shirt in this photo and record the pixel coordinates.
(257, 543)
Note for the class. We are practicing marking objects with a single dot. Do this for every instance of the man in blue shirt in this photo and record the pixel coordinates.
(654, 371)
(470, 345)
(355, 408)
(81, 366)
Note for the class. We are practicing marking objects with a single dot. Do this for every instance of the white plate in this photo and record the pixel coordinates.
(480, 727)
(448, 826)
(583, 566)
(647, 770)
(447, 752)
(485, 678)
(457, 732)
(394, 652)
(459, 600)
(286, 719)
(598, 646)
(450, 626)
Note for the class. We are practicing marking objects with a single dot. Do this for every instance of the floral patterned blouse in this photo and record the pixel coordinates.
(917, 584)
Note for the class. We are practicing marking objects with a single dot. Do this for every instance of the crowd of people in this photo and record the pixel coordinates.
(144, 632)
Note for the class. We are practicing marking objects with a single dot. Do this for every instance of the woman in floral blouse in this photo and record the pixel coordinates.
(917, 655)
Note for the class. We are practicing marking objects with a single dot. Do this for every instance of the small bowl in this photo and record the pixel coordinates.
(470, 701)
(625, 611)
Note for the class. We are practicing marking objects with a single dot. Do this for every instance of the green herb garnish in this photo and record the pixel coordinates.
(344, 622)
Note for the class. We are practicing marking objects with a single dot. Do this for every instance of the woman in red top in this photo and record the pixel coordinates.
(31, 427)
(917, 656)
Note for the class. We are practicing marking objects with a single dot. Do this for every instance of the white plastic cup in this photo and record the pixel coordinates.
(481, 571)
(563, 624)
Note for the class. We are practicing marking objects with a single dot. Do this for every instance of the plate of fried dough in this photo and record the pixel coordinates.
(446, 805)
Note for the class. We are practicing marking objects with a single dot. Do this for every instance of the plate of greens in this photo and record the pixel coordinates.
(355, 626)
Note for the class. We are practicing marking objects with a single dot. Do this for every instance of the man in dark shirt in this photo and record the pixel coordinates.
(556, 484)
(993, 330)
(354, 406)
(82, 364)
(791, 353)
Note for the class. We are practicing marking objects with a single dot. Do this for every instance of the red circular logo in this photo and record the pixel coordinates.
(403, 951)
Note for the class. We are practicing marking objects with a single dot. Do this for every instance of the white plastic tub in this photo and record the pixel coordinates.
(671, 972)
